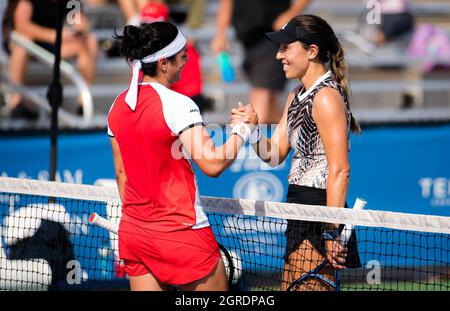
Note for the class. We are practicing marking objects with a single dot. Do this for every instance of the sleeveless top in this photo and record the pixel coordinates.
(309, 166)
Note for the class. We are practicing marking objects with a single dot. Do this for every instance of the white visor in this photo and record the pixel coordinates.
(173, 48)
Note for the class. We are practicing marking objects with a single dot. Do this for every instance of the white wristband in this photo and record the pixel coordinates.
(255, 136)
(242, 130)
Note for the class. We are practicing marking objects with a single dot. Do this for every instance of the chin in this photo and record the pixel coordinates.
(288, 75)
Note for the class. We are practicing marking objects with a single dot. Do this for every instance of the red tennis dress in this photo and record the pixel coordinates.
(163, 229)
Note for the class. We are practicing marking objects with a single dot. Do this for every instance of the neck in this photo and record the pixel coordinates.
(158, 79)
(312, 74)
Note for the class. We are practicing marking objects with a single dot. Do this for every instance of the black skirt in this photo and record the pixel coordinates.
(297, 230)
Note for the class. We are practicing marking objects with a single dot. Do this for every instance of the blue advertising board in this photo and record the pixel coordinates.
(400, 169)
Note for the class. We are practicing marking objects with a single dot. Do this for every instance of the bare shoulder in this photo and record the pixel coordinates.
(329, 99)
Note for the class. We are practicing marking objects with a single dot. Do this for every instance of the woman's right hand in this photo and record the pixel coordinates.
(244, 114)
(336, 253)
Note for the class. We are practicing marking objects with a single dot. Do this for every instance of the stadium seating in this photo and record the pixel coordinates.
(378, 81)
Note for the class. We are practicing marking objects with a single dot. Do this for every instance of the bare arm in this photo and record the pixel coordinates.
(223, 21)
(210, 159)
(128, 8)
(83, 26)
(118, 165)
(140, 4)
(273, 150)
(25, 26)
(329, 113)
(297, 7)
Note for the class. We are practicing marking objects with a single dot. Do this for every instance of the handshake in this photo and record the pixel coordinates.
(244, 123)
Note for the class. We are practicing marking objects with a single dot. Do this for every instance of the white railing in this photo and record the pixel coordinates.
(67, 70)
(64, 117)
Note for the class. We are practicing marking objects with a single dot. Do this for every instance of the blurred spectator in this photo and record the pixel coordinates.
(396, 19)
(195, 13)
(131, 12)
(2, 8)
(154, 11)
(251, 19)
(130, 8)
(36, 20)
(190, 83)
(431, 45)
(2, 99)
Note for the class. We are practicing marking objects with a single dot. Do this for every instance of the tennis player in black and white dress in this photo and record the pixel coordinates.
(316, 124)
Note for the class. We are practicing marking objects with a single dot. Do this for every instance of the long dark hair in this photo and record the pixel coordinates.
(330, 50)
(139, 42)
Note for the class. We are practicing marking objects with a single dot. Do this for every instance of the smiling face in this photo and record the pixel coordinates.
(175, 66)
(295, 59)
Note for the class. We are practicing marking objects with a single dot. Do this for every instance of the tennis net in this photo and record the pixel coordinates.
(48, 243)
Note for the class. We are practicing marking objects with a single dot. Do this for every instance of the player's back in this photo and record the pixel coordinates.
(160, 181)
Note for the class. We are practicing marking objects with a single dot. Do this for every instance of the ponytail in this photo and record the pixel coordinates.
(339, 68)
(319, 32)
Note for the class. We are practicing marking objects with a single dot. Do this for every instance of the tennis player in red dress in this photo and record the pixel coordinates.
(164, 236)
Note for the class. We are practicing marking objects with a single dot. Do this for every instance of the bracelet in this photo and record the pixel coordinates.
(242, 130)
(255, 136)
(331, 234)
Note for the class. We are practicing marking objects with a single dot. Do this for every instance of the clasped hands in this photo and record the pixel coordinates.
(244, 123)
(244, 114)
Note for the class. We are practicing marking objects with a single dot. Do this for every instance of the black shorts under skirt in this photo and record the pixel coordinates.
(297, 230)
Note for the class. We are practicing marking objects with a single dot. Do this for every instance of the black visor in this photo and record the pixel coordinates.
(287, 34)
(291, 33)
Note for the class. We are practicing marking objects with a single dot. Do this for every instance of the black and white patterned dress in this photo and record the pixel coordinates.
(309, 165)
(309, 170)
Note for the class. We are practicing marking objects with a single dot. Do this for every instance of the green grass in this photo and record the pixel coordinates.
(387, 286)
(399, 286)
